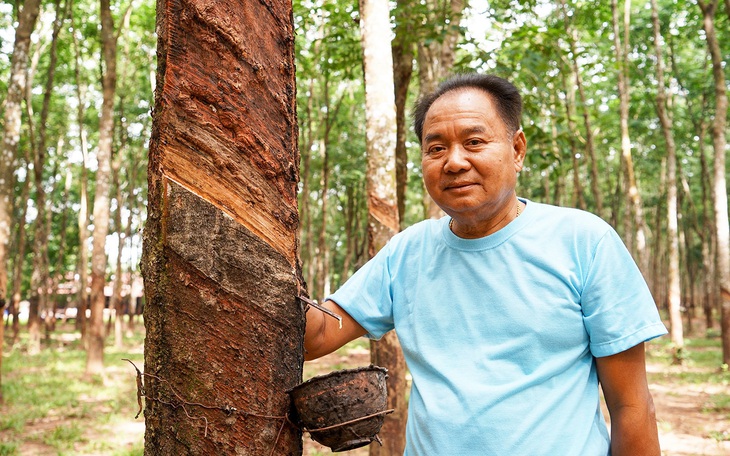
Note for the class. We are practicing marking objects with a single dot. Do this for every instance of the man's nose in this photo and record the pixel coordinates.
(456, 160)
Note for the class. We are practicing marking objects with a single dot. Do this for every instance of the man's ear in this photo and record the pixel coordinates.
(519, 146)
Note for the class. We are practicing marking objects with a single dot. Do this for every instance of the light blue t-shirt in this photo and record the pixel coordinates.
(500, 333)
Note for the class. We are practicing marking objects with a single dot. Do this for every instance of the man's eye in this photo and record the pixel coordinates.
(473, 142)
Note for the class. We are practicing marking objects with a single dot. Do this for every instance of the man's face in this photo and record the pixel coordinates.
(470, 160)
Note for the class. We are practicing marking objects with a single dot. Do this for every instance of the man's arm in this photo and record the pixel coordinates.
(324, 335)
(633, 419)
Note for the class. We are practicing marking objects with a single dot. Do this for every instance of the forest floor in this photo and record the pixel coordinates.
(51, 409)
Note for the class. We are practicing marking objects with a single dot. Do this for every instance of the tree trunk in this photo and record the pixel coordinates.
(381, 134)
(572, 35)
(116, 300)
(18, 266)
(224, 325)
(719, 142)
(578, 200)
(40, 281)
(675, 293)
(83, 215)
(634, 222)
(95, 350)
(11, 137)
(403, 51)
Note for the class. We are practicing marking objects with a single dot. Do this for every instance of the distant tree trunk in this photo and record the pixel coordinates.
(116, 300)
(658, 286)
(305, 230)
(60, 274)
(95, 351)
(132, 203)
(41, 281)
(557, 197)
(719, 142)
(83, 214)
(435, 60)
(381, 133)
(675, 293)
(403, 50)
(634, 224)
(224, 326)
(18, 266)
(572, 35)
(578, 200)
(708, 283)
(323, 249)
(11, 137)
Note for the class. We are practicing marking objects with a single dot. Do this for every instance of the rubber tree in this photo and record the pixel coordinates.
(224, 325)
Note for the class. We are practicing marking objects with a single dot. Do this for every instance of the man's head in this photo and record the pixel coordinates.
(505, 96)
(472, 149)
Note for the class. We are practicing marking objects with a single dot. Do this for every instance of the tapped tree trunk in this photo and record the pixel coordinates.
(381, 133)
(225, 329)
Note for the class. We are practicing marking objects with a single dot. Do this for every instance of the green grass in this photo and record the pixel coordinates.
(51, 403)
(702, 356)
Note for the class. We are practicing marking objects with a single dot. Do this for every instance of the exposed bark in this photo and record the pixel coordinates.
(719, 142)
(11, 137)
(381, 134)
(220, 261)
(673, 279)
(634, 224)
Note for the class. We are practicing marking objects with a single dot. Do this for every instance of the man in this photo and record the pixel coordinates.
(509, 312)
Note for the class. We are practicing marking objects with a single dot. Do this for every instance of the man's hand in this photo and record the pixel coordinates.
(633, 419)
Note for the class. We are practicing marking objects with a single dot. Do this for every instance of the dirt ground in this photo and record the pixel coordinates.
(686, 422)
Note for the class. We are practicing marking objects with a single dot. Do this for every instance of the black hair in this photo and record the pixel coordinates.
(503, 93)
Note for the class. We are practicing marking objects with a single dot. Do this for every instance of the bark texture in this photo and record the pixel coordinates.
(224, 327)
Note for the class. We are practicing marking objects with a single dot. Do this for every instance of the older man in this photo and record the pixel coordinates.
(509, 312)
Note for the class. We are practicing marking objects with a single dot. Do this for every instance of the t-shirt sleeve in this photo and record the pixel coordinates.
(618, 309)
(367, 295)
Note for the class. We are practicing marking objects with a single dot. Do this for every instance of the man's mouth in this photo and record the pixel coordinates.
(458, 185)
